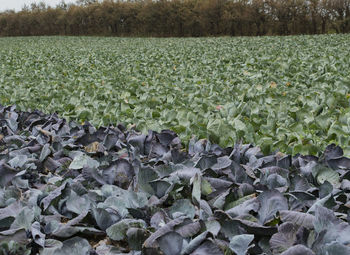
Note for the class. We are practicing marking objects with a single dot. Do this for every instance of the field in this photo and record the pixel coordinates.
(76, 188)
(286, 93)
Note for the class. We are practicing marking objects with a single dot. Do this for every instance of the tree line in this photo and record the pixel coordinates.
(180, 18)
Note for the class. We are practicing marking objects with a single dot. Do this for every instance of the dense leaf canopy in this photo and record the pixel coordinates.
(74, 189)
(286, 93)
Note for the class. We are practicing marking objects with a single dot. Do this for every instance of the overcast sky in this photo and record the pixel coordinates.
(18, 4)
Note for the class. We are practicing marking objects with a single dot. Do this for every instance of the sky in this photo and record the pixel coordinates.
(18, 4)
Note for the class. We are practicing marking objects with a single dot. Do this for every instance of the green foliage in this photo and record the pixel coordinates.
(12, 248)
(290, 93)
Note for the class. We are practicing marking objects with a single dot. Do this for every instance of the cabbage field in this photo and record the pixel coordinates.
(191, 146)
(74, 189)
(287, 93)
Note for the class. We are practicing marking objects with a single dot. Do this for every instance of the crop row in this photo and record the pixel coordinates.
(286, 93)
